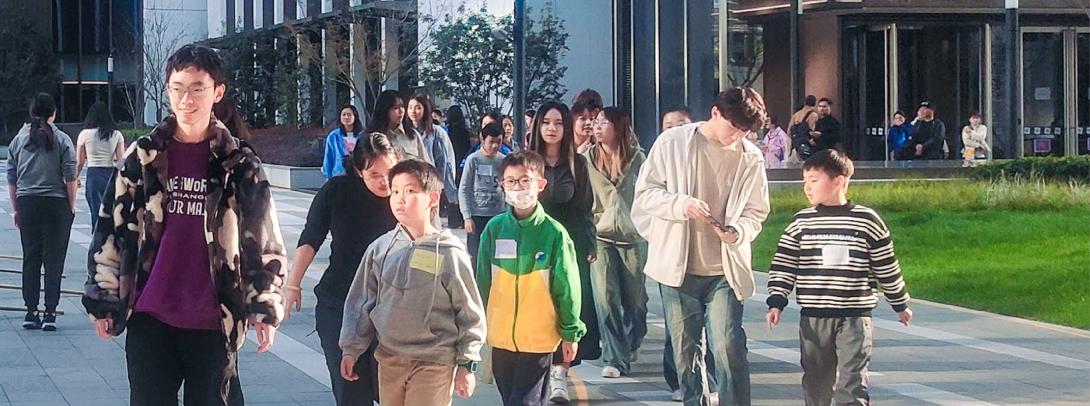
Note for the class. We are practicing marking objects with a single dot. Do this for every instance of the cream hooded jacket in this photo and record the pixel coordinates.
(658, 212)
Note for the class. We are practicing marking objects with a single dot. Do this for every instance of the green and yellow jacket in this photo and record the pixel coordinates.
(529, 281)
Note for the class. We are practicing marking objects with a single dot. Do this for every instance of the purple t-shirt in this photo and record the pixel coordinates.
(180, 291)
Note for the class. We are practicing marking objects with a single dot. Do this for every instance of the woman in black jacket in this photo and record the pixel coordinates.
(568, 198)
(355, 209)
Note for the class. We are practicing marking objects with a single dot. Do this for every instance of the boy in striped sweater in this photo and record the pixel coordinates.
(831, 254)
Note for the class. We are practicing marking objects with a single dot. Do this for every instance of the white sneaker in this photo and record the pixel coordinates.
(558, 382)
(677, 396)
(611, 371)
(713, 398)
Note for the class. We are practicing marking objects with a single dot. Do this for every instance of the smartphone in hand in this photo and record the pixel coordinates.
(715, 223)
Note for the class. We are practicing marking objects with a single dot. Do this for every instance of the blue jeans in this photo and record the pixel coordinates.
(97, 180)
(669, 367)
(620, 297)
(708, 301)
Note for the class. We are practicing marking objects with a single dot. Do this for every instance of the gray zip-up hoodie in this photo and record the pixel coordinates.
(418, 298)
(37, 172)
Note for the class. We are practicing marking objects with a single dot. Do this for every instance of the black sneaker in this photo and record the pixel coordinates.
(49, 322)
(32, 321)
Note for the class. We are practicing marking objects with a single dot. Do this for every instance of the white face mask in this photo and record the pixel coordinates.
(521, 199)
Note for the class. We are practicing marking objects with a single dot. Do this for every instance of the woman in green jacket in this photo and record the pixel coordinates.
(617, 278)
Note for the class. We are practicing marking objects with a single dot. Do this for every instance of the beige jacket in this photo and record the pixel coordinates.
(658, 211)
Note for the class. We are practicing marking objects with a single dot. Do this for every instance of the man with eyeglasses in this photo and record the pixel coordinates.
(701, 217)
(188, 252)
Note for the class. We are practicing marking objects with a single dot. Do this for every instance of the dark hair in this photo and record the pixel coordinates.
(200, 57)
(425, 119)
(622, 125)
(380, 116)
(899, 113)
(742, 106)
(424, 173)
(810, 101)
(367, 152)
(357, 125)
(774, 120)
(530, 113)
(679, 109)
(438, 111)
(41, 133)
(582, 106)
(99, 117)
(226, 111)
(834, 163)
(591, 99)
(532, 161)
(455, 117)
(494, 115)
(976, 114)
(567, 141)
(492, 130)
(826, 100)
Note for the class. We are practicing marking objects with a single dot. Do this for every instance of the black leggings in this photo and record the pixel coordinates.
(45, 223)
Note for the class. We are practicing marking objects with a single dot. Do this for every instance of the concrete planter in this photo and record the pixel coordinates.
(294, 177)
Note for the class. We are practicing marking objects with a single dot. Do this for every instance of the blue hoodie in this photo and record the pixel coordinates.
(335, 151)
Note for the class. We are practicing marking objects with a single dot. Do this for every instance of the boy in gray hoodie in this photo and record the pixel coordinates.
(415, 292)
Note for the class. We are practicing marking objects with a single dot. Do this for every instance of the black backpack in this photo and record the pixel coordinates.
(800, 137)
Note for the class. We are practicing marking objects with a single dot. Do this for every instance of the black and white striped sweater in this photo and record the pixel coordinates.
(835, 258)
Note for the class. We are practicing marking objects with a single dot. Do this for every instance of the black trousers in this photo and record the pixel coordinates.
(45, 223)
(162, 358)
(473, 240)
(520, 376)
(361, 392)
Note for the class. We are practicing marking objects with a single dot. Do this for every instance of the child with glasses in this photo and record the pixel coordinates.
(527, 272)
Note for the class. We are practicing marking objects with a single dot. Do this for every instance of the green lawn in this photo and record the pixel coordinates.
(1021, 249)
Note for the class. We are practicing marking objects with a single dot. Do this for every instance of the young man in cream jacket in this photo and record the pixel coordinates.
(700, 200)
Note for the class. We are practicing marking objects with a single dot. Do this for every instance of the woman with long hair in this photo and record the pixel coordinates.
(459, 140)
(42, 188)
(99, 146)
(568, 198)
(459, 134)
(341, 141)
(389, 118)
(436, 143)
(355, 209)
(617, 277)
(508, 131)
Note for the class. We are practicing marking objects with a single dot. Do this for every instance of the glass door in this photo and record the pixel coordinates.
(1043, 84)
(869, 65)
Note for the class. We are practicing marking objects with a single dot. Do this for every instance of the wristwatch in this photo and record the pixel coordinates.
(470, 366)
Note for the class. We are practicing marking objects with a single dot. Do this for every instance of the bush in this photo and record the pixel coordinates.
(1052, 169)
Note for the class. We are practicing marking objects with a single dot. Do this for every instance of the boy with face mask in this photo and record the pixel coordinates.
(526, 271)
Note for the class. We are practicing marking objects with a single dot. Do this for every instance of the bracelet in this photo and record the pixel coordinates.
(295, 288)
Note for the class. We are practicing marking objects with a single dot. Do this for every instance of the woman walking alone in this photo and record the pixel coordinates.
(42, 188)
(99, 146)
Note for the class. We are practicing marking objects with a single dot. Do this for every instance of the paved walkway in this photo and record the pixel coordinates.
(950, 356)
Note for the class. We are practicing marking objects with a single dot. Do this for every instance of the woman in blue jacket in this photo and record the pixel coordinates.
(340, 141)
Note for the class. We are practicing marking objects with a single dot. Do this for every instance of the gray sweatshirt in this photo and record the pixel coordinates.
(480, 193)
(37, 172)
(418, 298)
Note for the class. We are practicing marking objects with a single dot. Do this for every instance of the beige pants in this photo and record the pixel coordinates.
(404, 381)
